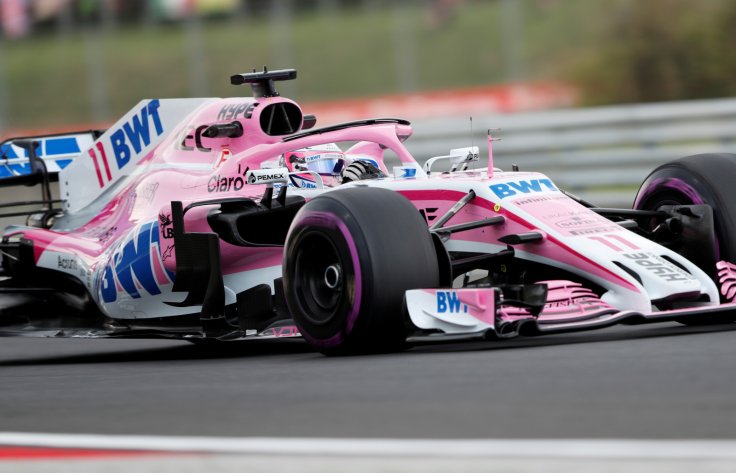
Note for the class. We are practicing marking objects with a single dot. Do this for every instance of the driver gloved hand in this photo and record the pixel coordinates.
(360, 170)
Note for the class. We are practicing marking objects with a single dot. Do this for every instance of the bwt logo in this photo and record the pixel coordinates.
(136, 133)
(132, 266)
(449, 301)
(509, 189)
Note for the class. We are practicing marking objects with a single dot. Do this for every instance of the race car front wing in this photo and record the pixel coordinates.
(527, 310)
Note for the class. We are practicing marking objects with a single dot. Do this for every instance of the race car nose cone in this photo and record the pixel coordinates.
(333, 276)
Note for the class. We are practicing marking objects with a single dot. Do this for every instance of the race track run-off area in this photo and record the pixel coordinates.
(631, 398)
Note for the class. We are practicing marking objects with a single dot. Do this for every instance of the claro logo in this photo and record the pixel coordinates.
(225, 184)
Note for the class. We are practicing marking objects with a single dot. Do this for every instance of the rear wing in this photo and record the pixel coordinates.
(57, 152)
(34, 160)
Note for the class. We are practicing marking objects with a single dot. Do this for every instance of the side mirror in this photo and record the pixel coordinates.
(459, 158)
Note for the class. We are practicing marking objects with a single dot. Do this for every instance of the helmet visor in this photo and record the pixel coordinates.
(327, 163)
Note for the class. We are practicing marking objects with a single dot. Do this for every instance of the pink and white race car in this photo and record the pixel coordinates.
(233, 219)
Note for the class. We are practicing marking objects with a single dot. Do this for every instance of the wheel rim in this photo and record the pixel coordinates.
(658, 200)
(319, 278)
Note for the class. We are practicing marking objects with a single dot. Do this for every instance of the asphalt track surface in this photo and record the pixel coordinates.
(665, 381)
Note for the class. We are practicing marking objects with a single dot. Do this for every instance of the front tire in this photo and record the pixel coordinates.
(350, 255)
(699, 179)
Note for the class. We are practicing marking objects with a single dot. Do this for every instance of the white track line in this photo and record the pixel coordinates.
(490, 448)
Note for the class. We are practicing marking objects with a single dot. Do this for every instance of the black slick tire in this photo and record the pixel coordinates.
(699, 179)
(350, 255)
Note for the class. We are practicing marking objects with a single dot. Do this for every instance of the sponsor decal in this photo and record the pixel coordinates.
(576, 222)
(449, 301)
(264, 176)
(524, 186)
(131, 265)
(539, 199)
(233, 111)
(225, 184)
(256, 178)
(592, 231)
(225, 154)
(73, 265)
(566, 216)
(136, 133)
(167, 253)
(325, 156)
(127, 141)
(68, 263)
(166, 224)
(562, 303)
(218, 183)
(658, 266)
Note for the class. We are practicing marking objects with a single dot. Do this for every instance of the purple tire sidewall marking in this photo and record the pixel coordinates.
(670, 183)
(330, 220)
(677, 185)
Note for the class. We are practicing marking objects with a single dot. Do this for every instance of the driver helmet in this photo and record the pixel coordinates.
(327, 160)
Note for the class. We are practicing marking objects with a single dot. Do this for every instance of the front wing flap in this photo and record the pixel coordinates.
(483, 312)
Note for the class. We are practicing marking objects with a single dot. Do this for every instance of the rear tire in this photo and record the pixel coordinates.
(350, 255)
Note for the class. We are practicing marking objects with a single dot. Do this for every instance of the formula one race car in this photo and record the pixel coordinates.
(233, 219)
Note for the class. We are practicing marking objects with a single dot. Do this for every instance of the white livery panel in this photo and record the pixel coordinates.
(116, 153)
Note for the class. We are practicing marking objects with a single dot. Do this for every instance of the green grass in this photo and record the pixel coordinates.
(351, 55)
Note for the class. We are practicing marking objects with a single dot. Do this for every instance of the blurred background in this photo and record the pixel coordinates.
(579, 87)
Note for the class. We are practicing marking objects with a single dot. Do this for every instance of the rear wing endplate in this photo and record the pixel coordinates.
(57, 152)
(30, 161)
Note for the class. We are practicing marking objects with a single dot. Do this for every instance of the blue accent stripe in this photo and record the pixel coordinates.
(5, 172)
(7, 151)
(62, 146)
(63, 163)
